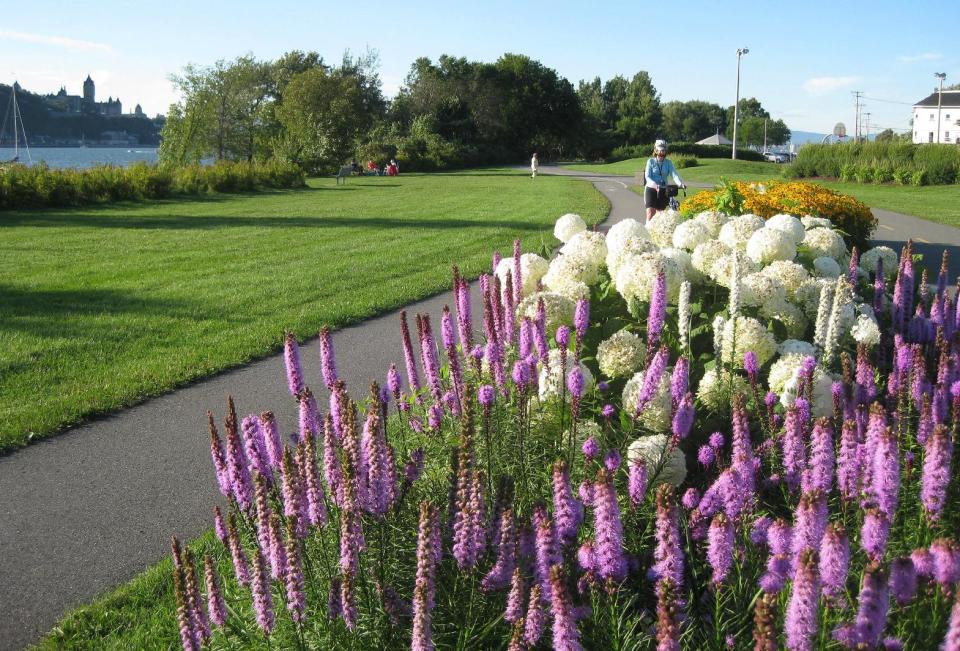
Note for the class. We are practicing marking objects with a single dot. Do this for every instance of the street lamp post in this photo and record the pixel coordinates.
(941, 76)
(736, 107)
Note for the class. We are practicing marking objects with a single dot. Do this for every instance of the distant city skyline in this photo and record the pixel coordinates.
(804, 62)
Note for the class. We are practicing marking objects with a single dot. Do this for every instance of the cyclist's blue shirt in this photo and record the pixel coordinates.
(659, 172)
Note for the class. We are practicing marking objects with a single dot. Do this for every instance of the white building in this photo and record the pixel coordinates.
(925, 118)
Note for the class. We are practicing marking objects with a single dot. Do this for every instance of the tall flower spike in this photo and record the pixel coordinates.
(568, 512)
(834, 561)
(316, 506)
(506, 562)
(936, 472)
(611, 560)
(237, 466)
(801, 619)
(637, 480)
(566, 637)
(296, 595)
(509, 310)
(219, 459)
(514, 611)
(668, 616)
(271, 435)
(765, 632)
(658, 312)
(262, 598)
(720, 547)
(428, 356)
(848, 462)
(865, 631)
(536, 617)
(291, 359)
(794, 450)
(189, 635)
(546, 549)
(309, 416)
(453, 359)
(255, 446)
(328, 363)
(277, 549)
(668, 555)
(348, 599)
(903, 580)
(819, 474)
(424, 588)
(581, 321)
(216, 606)
(517, 274)
(201, 621)
(413, 377)
(683, 315)
(885, 479)
(241, 566)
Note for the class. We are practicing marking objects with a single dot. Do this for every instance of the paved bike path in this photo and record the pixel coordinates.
(87, 510)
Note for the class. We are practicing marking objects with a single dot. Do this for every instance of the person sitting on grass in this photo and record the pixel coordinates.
(659, 169)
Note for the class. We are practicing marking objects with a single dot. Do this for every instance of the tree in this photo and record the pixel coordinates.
(322, 115)
(750, 131)
(639, 110)
(691, 121)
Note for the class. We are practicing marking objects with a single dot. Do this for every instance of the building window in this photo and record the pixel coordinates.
(930, 138)
(946, 136)
(948, 116)
(933, 116)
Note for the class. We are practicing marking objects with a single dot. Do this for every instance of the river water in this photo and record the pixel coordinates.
(82, 157)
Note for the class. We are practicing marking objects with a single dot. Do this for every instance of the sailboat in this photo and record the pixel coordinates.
(13, 110)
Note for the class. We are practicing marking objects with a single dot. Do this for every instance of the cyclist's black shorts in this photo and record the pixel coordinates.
(656, 198)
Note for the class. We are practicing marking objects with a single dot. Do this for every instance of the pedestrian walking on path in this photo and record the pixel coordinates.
(534, 166)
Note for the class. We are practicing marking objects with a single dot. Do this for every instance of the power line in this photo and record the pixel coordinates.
(888, 101)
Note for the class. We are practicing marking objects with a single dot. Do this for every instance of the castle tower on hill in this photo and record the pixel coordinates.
(89, 91)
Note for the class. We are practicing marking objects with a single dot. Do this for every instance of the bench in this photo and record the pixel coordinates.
(345, 171)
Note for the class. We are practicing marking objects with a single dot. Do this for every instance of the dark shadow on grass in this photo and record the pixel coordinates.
(131, 204)
(196, 222)
(47, 313)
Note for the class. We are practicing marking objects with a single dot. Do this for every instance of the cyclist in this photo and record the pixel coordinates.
(659, 170)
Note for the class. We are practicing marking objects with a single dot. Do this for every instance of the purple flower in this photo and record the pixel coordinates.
(309, 423)
(810, 522)
(514, 609)
(759, 529)
(651, 379)
(683, 418)
(848, 462)
(794, 452)
(215, 604)
(611, 562)
(568, 512)
(834, 560)
(658, 311)
(521, 373)
(602, 386)
(668, 554)
(566, 637)
(428, 356)
(328, 363)
(874, 533)
(903, 579)
(800, 623)
(219, 459)
(503, 568)
(563, 336)
(293, 577)
(780, 542)
(517, 271)
(690, 499)
(486, 395)
(946, 561)
(936, 472)
(752, 366)
(218, 524)
(922, 562)
(262, 598)
(291, 359)
(637, 481)
(608, 411)
(865, 631)
(271, 436)
(393, 381)
(611, 460)
(716, 440)
(424, 589)
(435, 416)
(546, 549)
(413, 378)
(590, 448)
(952, 640)
(668, 616)
(575, 382)
(819, 473)
(885, 475)
(679, 381)
(720, 547)
(536, 617)
(237, 467)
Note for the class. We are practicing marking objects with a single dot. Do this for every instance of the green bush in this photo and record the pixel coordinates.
(682, 161)
(895, 161)
(919, 177)
(687, 148)
(41, 187)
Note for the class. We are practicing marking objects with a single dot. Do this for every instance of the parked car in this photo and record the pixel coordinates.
(776, 157)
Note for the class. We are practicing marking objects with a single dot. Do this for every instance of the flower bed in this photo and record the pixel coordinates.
(677, 434)
(796, 198)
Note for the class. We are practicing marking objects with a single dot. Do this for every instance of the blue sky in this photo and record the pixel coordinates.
(805, 57)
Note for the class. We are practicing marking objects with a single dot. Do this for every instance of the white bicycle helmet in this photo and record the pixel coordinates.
(660, 145)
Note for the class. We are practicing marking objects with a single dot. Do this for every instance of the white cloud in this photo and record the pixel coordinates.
(824, 85)
(926, 56)
(56, 41)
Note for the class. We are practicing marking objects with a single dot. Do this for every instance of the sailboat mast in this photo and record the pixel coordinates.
(16, 134)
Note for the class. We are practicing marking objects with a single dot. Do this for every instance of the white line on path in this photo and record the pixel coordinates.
(884, 226)
(920, 239)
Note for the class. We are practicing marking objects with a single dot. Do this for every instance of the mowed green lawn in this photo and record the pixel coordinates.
(101, 307)
(708, 170)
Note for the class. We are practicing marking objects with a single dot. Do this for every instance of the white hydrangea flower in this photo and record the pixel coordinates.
(736, 232)
(683, 261)
(722, 270)
(821, 404)
(758, 289)
(866, 331)
(789, 274)
(629, 246)
(712, 220)
(688, 234)
(789, 315)
(868, 260)
(585, 429)
(750, 334)
(590, 245)
(559, 309)
(566, 268)
(661, 227)
(623, 229)
(706, 254)
(621, 355)
(635, 277)
(825, 242)
(786, 366)
(825, 267)
(532, 270)
(788, 224)
(657, 414)
(568, 225)
(570, 287)
(716, 389)
(551, 379)
(808, 295)
(797, 347)
(809, 221)
(769, 244)
(657, 452)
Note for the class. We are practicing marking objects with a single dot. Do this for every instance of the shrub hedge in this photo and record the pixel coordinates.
(42, 187)
(687, 148)
(903, 163)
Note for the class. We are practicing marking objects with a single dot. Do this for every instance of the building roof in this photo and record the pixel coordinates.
(950, 98)
(716, 139)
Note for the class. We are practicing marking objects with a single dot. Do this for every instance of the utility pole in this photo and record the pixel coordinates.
(764, 135)
(736, 107)
(856, 119)
(867, 137)
(941, 76)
